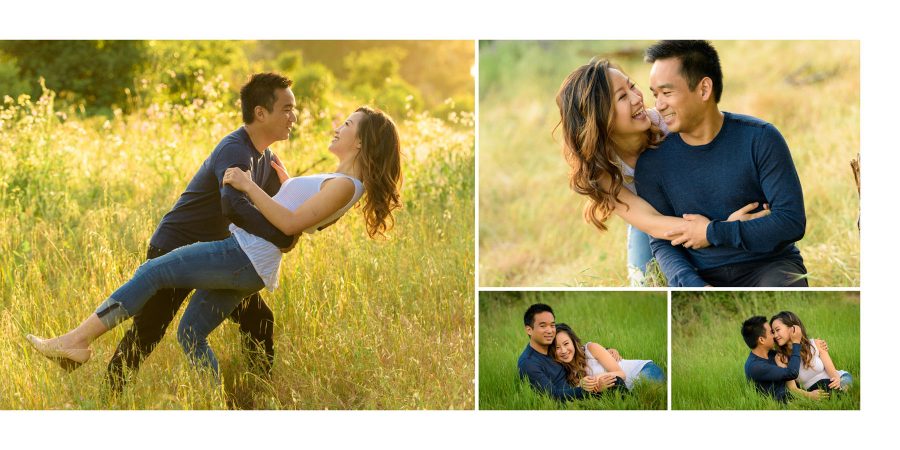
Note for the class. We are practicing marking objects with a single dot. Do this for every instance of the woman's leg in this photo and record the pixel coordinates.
(846, 381)
(639, 254)
(652, 372)
(206, 265)
(204, 313)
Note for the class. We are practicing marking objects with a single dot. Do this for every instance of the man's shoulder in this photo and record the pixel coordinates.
(233, 145)
(745, 121)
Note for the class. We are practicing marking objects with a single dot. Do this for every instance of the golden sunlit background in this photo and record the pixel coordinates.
(99, 138)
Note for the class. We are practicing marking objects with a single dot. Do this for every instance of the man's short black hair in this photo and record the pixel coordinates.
(260, 91)
(699, 59)
(753, 329)
(536, 309)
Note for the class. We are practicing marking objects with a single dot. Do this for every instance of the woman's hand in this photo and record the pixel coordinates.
(744, 213)
(692, 232)
(238, 179)
(817, 394)
(605, 381)
(279, 169)
(589, 383)
(835, 382)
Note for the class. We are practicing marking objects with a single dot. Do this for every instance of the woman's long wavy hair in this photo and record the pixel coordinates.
(585, 104)
(576, 369)
(790, 319)
(379, 161)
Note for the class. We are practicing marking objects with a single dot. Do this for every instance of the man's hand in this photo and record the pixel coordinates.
(279, 169)
(796, 334)
(691, 233)
(237, 178)
(744, 213)
(615, 354)
(823, 346)
(293, 244)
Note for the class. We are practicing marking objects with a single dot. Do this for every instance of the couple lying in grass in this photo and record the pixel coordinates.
(556, 363)
(784, 360)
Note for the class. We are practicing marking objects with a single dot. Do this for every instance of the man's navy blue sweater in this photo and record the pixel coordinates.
(748, 161)
(203, 211)
(547, 375)
(768, 377)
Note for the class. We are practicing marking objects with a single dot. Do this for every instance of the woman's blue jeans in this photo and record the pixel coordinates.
(652, 372)
(222, 275)
(639, 254)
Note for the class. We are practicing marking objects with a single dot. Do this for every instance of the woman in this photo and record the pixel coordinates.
(606, 128)
(592, 360)
(368, 149)
(817, 375)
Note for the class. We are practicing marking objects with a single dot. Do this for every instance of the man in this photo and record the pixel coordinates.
(760, 367)
(203, 212)
(713, 163)
(542, 371)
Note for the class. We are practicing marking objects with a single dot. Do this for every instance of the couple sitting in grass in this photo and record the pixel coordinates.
(555, 361)
(783, 359)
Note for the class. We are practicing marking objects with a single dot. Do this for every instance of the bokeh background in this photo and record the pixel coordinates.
(531, 230)
(99, 138)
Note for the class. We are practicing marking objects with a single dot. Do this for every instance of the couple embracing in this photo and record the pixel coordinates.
(713, 196)
(556, 363)
(784, 360)
(227, 232)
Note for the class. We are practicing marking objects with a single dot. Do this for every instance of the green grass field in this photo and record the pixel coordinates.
(708, 353)
(360, 324)
(531, 230)
(632, 322)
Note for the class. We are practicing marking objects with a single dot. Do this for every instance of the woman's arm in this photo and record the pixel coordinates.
(829, 365)
(794, 389)
(335, 193)
(606, 360)
(645, 217)
(642, 215)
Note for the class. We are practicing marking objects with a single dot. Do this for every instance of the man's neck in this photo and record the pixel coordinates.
(706, 130)
(258, 139)
(542, 349)
(761, 351)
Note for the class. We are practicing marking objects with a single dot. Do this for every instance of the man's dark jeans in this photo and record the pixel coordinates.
(254, 317)
(782, 272)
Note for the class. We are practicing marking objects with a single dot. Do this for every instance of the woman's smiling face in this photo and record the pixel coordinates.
(345, 139)
(781, 331)
(628, 111)
(565, 348)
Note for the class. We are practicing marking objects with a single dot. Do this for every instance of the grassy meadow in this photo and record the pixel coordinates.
(531, 230)
(708, 352)
(634, 323)
(360, 323)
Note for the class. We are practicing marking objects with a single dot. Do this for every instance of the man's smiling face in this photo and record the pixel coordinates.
(543, 329)
(681, 108)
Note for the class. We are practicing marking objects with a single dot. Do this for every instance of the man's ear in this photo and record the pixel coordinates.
(528, 330)
(706, 88)
(259, 112)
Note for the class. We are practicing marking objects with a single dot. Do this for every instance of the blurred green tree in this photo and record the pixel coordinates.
(96, 73)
